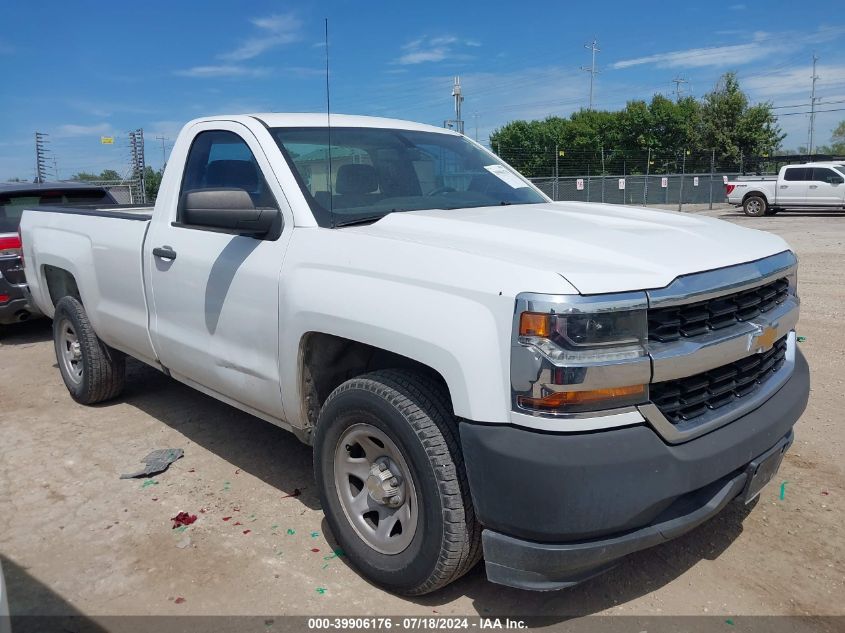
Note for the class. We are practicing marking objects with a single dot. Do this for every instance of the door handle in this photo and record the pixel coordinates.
(784, 186)
(164, 252)
(814, 186)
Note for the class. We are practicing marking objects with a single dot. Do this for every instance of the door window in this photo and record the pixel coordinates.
(222, 160)
(823, 174)
(797, 173)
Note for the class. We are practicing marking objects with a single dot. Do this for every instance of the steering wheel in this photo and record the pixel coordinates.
(441, 190)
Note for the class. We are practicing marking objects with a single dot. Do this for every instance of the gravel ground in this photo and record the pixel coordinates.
(75, 539)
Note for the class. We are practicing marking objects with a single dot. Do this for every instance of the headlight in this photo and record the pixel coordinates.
(580, 337)
(575, 354)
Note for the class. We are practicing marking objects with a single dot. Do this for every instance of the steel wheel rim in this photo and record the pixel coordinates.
(385, 528)
(754, 206)
(70, 352)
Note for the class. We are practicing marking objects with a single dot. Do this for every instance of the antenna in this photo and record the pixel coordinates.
(329, 125)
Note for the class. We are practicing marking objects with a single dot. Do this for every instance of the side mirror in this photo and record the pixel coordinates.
(229, 209)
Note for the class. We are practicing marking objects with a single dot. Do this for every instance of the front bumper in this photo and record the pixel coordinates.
(559, 508)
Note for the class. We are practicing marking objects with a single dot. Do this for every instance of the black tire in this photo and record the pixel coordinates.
(415, 413)
(102, 370)
(755, 206)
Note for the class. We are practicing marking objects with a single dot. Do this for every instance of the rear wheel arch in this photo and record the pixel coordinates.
(60, 283)
(758, 194)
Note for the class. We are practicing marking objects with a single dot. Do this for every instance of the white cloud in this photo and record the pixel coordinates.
(738, 7)
(796, 81)
(274, 30)
(736, 54)
(223, 70)
(71, 130)
(434, 49)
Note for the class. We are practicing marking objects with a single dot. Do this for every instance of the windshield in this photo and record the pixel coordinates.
(13, 204)
(372, 172)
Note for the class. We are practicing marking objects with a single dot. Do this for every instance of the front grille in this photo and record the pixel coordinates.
(672, 323)
(687, 398)
(12, 270)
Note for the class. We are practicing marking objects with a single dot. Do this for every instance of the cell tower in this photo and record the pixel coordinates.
(40, 157)
(136, 160)
(457, 123)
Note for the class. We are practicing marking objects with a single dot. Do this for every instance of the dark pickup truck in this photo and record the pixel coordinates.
(14, 198)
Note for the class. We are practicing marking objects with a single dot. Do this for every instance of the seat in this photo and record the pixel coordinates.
(356, 186)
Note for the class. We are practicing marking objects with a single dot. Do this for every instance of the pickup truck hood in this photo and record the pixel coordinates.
(597, 248)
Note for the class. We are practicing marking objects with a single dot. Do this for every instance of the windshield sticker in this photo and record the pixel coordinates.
(505, 175)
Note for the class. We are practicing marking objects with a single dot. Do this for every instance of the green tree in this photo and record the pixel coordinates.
(152, 181)
(734, 128)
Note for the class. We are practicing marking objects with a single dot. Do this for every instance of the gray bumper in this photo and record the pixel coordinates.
(560, 508)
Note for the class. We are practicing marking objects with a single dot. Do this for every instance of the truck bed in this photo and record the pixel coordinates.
(102, 248)
(122, 212)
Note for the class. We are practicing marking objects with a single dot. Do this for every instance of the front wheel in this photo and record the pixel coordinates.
(392, 481)
(92, 371)
(755, 206)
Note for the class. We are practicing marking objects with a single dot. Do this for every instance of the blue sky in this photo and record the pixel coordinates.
(80, 70)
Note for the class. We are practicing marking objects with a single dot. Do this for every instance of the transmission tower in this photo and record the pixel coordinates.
(592, 68)
(679, 83)
(40, 157)
(813, 100)
(136, 160)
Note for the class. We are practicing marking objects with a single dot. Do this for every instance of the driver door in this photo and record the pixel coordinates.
(215, 315)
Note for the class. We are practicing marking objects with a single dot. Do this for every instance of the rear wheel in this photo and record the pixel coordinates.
(92, 371)
(392, 481)
(755, 206)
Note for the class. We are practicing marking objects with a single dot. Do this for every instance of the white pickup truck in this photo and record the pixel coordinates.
(805, 186)
(478, 369)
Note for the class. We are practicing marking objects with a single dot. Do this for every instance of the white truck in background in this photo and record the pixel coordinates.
(805, 186)
(478, 369)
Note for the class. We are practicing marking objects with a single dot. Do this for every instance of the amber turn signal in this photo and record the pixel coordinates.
(564, 399)
(535, 324)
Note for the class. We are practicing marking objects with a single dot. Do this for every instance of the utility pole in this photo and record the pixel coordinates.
(813, 106)
(679, 82)
(163, 140)
(592, 69)
(40, 157)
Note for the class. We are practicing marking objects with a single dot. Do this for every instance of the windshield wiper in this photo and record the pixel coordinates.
(354, 221)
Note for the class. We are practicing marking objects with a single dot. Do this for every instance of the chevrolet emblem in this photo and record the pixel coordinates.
(765, 339)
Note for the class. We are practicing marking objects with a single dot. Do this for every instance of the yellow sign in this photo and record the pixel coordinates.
(107, 140)
(561, 153)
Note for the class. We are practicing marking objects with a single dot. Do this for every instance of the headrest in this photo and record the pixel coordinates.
(356, 179)
(232, 173)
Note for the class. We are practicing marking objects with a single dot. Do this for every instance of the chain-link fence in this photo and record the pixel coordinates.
(638, 177)
(668, 189)
(123, 191)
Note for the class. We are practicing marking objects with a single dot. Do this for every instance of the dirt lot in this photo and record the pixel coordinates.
(76, 539)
